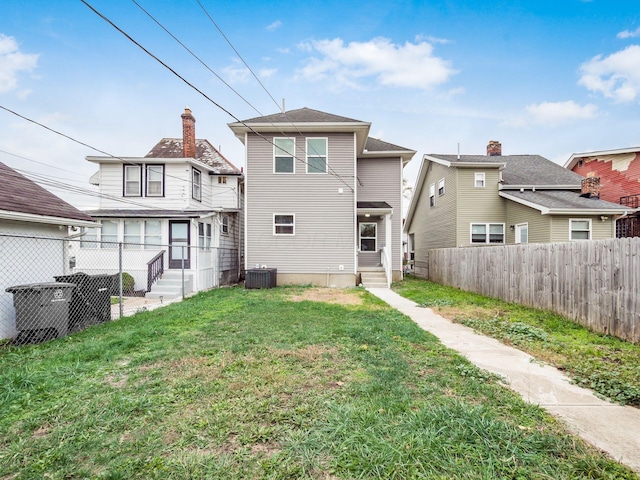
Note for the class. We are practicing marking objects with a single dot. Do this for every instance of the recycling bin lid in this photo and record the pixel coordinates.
(39, 286)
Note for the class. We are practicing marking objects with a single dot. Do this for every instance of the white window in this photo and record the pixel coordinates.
(522, 233)
(432, 195)
(487, 233)
(316, 155)
(284, 224)
(222, 179)
(152, 233)
(580, 229)
(224, 225)
(196, 181)
(90, 238)
(479, 179)
(155, 180)
(207, 237)
(368, 237)
(109, 234)
(283, 155)
(132, 181)
(201, 235)
(132, 234)
(441, 187)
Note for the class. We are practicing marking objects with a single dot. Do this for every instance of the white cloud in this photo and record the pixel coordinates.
(628, 34)
(431, 39)
(274, 26)
(12, 61)
(267, 72)
(236, 74)
(555, 113)
(616, 76)
(411, 65)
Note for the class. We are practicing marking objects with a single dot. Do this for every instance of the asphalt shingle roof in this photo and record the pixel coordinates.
(302, 115)
(19, 194)
(562, 199)
(205, 152)
(377, 145)
(522, 169)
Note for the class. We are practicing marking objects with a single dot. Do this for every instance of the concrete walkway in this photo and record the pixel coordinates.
(612, 428)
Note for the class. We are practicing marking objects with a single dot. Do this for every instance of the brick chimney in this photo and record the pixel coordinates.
(188, 134)
(590, 187)
(494, 148)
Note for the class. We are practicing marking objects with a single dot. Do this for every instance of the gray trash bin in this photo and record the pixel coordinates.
(42, 310)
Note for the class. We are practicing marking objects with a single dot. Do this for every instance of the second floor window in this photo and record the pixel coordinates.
(283, 152)
(441, 187)
(479, 179)
(155, 180)
(196, 179)
(316, 155)
(132, 181)
(224, 225)
(432, 195)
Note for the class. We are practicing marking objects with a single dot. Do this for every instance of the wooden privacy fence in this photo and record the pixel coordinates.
(595, 283)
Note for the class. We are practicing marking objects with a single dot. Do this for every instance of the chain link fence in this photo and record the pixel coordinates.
(51, 287)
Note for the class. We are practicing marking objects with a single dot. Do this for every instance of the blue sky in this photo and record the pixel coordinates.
(542, 77)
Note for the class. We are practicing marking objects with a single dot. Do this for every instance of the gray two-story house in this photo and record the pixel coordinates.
(323, 200)
(495, 199)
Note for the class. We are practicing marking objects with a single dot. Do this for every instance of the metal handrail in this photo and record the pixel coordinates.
(155, 269)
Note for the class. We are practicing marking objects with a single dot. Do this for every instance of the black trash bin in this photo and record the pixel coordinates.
(91, 302)
(42, 310)
(261, 278)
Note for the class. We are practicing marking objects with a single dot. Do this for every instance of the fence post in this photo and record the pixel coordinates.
(183, 252)
(120, 278)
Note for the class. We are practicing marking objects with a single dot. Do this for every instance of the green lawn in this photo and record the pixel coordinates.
(605, 364)
(250, 384)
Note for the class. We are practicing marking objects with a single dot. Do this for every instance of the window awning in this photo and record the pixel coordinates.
(374, 208)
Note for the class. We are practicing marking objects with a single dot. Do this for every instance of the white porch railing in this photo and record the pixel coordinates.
(385, 260)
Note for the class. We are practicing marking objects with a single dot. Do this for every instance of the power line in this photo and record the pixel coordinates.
(196, 57)
(237, 53)
(331, 172)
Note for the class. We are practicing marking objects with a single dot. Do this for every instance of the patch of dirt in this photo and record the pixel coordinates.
(116, 382)
(267, 449)
(42, 431)
(328, 295)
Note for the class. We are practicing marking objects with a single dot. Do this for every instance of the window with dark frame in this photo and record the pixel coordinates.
(284, 224)
(196, 180)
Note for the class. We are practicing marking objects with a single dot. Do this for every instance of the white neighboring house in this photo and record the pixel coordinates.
(33, 224)
(183, 193)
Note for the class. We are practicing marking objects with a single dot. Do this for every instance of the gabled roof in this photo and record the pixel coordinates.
(517, 170)
(600, 153)
(379, 148)
(302, 120)
(302, 115)
(205, 153)
(24, 200)
(563, 202)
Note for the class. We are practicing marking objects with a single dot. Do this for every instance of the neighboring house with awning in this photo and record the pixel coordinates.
(180, 207)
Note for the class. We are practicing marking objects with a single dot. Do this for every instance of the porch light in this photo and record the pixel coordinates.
(367, 215)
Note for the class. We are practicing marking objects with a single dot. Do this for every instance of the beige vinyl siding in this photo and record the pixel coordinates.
(599, 230)
(477, 205)
(324, 218)
(434, 227)
(381, 181)
(539, 225)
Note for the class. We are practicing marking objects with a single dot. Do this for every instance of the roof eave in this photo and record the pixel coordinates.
(47, 219)
(576, 156)
(406, 155)
(539, 187)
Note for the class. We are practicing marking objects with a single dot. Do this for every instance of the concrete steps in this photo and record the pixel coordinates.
(169, 286)
(373, 277)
